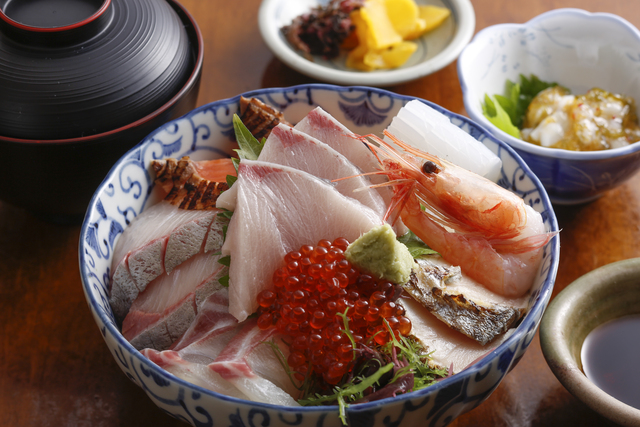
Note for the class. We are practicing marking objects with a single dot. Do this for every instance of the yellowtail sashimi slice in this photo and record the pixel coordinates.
(163, 312)
(324, 127)
(213, 318)
(426, 129)
(158, 240)
(289, 147)
(278, 210)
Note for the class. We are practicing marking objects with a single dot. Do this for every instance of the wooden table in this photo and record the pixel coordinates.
(55, 369)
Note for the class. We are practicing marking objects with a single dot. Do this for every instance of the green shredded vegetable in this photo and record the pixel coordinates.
(507, 111)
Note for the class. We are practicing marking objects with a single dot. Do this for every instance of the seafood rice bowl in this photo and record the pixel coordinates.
(155, 334)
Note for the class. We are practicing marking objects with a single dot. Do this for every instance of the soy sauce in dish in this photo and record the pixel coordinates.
(610, 358)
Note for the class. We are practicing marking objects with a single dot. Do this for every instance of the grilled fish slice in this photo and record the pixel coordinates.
(259, 118)
(193, 185)
(461, 303)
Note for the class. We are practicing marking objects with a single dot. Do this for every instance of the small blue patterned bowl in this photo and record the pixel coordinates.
(206, 132)
(579, 50)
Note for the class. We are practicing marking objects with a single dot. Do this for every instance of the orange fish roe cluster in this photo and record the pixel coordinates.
(310, 290)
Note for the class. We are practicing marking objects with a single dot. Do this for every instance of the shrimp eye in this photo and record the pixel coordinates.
(430, 167)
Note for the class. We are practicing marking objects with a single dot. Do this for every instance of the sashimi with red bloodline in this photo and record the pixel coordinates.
(289, 147)
(213, 317)
(163, 236)
(164, 311)
(241, 358)
(278, 210)
(159, 239)
(324, 127)
(195, 373)
(237, 362)
(232, 353)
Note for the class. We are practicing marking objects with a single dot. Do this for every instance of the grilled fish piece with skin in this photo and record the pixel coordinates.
(193, 185)
(447, 348)
(259, 118)
(462, 304)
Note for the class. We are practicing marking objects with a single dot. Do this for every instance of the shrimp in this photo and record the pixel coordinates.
(488, 231)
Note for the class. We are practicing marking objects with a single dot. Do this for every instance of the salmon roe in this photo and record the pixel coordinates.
(315, 284)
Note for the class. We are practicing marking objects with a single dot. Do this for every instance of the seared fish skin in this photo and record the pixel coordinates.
(481, 320)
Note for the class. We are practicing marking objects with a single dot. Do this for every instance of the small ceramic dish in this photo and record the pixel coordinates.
(579, 50)
(206, 132)
(436, 49)
(605, 294)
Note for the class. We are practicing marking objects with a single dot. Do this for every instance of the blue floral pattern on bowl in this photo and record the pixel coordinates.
(206, 133)
(579, 50)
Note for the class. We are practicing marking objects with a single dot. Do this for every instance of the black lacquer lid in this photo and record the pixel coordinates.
(74, 68)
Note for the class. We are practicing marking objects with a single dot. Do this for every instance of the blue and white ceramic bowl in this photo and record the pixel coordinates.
(206, 132)
(578, 50)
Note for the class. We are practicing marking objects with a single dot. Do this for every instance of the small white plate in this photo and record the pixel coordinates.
(436, 49)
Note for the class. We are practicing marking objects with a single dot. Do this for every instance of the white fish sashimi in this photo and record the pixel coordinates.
(289, 147)
(278, 210)
(213, 318)
(450, 348)
(164, 311)
(243, 355)
(157, 241)
(195, 373)
(428, 130)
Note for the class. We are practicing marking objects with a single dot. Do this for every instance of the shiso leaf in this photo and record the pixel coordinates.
(417, 247)
(249, 146)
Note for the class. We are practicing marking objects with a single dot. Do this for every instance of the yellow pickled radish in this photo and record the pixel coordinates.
(392, 57)
(355, 58)
(380, 31)
(433, 17)
(403, 15)
(383, 28)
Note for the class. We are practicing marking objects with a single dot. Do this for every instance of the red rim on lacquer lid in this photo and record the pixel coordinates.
(23, 6)
(104, 65)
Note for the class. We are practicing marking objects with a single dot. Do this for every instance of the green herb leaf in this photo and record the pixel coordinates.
(224, 281)
(226, 260)
(417, 247)
(348, 391)
(495, 113)
(250, 147)
(507, 111)
(225, 214)
(417, 360)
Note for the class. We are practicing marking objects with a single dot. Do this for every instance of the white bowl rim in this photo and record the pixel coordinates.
(475, 369)
(464, 31)
(556, 153)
